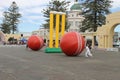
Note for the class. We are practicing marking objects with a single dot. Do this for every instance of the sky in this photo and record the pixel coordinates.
(32, 16)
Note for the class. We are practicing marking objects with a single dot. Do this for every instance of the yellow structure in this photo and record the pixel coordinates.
(16, 36)
(5, 37)
(57, 28)
(2, 37)
(106, 32)
(52, 13)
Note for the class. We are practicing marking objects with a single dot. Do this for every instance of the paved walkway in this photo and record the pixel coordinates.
(22, 64)
(12, 46)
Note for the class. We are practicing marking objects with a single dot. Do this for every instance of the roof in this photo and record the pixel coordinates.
(76, 6)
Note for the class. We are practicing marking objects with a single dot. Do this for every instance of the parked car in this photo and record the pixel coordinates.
(116, 44)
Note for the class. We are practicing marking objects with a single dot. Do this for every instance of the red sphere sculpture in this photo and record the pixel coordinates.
(72, 43)
(35, 42)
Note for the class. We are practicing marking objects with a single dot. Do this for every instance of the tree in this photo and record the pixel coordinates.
(5, 25)
(12, 19)
(14, 16)
(94, 12)
(5, 28)
(55, 5)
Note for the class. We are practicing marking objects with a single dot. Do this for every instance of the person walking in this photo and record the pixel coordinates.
(88, 50)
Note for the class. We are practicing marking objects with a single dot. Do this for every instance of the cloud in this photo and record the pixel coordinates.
(115, 4)
(31, 9)
(27, 7)
(33, 19)
(37, 18)
(23, 3)
(1, 14)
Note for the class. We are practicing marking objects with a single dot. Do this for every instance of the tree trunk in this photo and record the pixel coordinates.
(13, 29)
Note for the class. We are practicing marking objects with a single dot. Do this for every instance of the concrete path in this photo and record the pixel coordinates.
(18, 63)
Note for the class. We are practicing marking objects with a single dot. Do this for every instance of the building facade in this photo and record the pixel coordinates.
(42, 32)
(75, 17)
(2, 37)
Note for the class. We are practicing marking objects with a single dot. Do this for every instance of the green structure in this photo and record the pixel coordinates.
(76, 6)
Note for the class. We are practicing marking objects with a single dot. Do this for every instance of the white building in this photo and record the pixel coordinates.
(25, 34)
(74, 17)
(41, 32)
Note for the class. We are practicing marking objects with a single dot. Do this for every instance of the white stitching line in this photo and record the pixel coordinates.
(77, 44)
(80, 37)
(40, 40)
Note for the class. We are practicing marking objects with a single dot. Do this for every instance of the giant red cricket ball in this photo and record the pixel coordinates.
(35, 42)
(72, 43)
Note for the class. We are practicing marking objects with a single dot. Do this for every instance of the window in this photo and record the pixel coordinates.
(71, 23)
(77, 23)
(72, 15)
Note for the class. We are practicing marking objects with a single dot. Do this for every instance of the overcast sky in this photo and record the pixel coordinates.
(32, 17)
